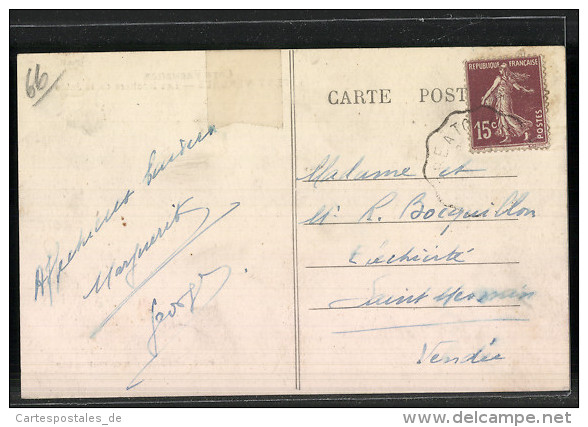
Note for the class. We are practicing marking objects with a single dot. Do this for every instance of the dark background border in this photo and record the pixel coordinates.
(141, 30)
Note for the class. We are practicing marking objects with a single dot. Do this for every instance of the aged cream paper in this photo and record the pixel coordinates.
(285, 222)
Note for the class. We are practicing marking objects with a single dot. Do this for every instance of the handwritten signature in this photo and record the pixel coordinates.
(202, 227)
(192, 299)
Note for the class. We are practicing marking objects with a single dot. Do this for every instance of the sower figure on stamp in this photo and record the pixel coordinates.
(499, 96)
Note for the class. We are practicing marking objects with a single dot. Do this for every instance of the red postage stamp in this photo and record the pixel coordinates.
(507, 103)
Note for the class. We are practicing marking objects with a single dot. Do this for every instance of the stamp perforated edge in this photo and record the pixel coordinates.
(545, 93)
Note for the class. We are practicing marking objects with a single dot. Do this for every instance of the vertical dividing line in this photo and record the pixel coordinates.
(294, 223)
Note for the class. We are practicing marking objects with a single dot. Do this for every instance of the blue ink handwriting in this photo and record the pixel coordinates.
(460, 169)
(155, 168)
(432, 357)
(201, 229)
(448, 297)
(326, 171)
(187, 301)
(140, 250)
(423, 325)
(410, 255)
(44, 274)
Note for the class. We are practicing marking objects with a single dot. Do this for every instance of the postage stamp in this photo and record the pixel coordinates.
(507, 103)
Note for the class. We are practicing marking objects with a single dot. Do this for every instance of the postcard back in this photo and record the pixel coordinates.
(293, 222)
